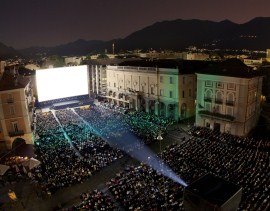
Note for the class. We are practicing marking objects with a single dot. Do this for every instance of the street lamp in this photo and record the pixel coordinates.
(160, 138)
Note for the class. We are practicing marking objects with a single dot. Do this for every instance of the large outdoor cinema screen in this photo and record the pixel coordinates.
(61, 82)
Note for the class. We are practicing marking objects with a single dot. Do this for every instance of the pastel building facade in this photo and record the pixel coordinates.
(157, 90)
(15, 109)
(229, 101)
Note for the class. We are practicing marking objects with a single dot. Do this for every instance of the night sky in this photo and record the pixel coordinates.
(25, 23)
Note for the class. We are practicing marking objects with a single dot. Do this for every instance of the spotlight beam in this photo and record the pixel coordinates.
(130, 144)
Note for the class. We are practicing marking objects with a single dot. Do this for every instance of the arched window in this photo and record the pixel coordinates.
(230, 99)
(219, 96)
(208, 94)
(183, 110)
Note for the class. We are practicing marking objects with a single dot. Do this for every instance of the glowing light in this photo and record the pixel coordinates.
(61, 82)
(129, 143)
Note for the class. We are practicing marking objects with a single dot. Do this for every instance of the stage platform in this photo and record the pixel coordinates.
(66, 104)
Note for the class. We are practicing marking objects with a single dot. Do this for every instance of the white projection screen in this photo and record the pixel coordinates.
(61, 82)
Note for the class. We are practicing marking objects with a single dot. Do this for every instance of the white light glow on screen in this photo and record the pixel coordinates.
(61, 82)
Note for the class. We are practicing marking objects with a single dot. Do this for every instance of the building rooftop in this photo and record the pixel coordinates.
(184, 66)
(231, 68)
(9, 82)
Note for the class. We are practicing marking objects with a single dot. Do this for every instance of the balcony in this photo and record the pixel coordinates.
(10, 100)
(230, 102)
(16, 133)
(207, 99)
(216, 115)
(218, 101)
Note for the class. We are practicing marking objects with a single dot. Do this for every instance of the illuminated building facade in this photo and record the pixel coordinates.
(98, 82)
(229, 98)
(267, 53)
(15, 109)
(161, 87)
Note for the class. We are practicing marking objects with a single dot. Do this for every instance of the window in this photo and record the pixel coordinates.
(231, 86)
(15, 126)
(217, 109)
(161, 79)
(229, 111)
(12, 110)
(183, 94)
(161, 92)
(219, 96)
(142, 88)
(152, 90)
(10, 98)
(171, 80)
(207, 107)
(114, 84)
(230, 99)
(171, 94)
(219, 85)
(208, 95)
(208, 83)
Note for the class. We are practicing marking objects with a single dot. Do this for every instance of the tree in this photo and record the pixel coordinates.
(102, 56)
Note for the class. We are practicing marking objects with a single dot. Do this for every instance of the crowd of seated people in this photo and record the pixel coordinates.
(105, 120)
(60, 165)
(207, 151)
(96, 201)
(147, 126)
(242, 160)
(67, 167)
(46, 124)
(93, 149)
(110, 126)
(142, 188)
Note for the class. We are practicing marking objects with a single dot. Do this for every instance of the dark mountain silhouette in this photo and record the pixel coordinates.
(179, 34)
(7, 52)
(78, 47)
(175, 35)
